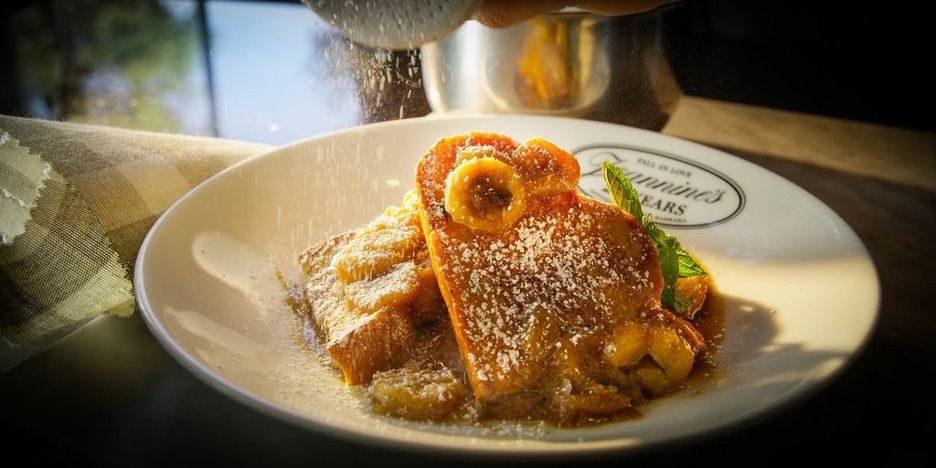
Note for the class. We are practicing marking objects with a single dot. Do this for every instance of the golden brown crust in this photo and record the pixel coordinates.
(367, 290)
(378, 342)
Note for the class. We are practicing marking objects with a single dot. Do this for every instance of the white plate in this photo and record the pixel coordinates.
(802, 293)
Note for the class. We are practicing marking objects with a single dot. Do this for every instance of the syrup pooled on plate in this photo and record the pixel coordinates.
(495, 291)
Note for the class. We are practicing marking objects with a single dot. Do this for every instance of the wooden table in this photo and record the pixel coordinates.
(110, 393)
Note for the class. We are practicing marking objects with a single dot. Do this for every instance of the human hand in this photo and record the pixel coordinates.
(503, 13)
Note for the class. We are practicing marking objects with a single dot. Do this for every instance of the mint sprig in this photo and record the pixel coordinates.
(675, 262)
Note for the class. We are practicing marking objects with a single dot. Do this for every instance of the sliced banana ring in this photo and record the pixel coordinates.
(484, 194)
(546, 169)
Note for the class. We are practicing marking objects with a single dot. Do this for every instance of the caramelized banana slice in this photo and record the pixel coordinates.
(484, 194)
(628, 345)
(417, 393)
(652, 378)
(602, 401)
(545, 168)
(686, 330)
(672, 352)
(674, 345)
(659, 352)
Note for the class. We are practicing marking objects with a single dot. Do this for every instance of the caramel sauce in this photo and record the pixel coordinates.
(710, 321)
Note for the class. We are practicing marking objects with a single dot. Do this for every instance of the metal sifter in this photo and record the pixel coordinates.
(394, 24)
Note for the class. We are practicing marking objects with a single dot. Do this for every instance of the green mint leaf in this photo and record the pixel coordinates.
(669, 260)
(675, 262)
(621, 189)
(688, 267)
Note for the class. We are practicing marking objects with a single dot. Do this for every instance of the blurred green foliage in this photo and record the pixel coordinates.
(108, 62)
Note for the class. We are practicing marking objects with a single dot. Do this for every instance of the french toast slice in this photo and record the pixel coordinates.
(368, 289)
(526, 265)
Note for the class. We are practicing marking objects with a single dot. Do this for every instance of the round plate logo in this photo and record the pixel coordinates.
(675, 190)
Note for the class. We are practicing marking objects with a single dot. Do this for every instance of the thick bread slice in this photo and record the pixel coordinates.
(359, 342)
(568, 262)
(368, 289)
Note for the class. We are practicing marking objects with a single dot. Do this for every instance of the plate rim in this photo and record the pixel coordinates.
(562, 449)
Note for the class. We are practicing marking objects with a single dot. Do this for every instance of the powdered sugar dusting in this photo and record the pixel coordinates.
(559, 257)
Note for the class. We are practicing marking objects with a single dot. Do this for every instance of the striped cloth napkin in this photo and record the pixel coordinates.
(75, 204)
